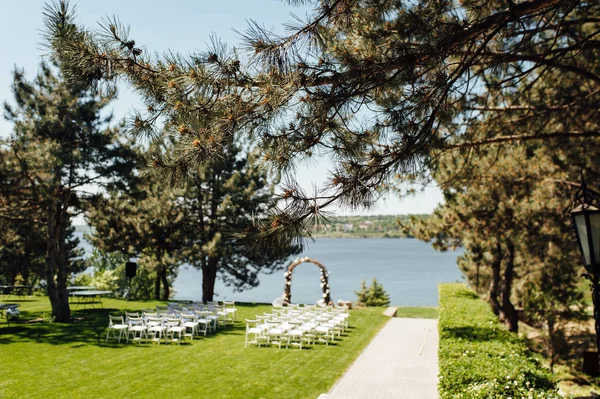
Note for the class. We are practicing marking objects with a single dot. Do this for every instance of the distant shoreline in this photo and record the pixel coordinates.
(335, 235)
(381, 226)
(358, 235)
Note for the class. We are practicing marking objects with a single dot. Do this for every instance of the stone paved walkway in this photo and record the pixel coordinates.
(400, 363)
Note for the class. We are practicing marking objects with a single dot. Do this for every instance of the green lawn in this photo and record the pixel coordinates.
(418, 312)
(53, 360)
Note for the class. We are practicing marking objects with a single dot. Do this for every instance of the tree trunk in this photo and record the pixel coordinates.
(56, 262)
(165, 283)
(12, 276)
(552, 350)
(209, 276)
(157, 285)
(477, 277)
(495, 283)
(26, 275)
(508, 310)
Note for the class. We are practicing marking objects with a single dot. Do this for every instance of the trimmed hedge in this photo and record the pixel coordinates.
(479, 358)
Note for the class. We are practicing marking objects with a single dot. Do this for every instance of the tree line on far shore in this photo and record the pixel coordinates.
(372, 226)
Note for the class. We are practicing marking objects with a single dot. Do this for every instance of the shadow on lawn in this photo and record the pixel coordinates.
(17, 300)
(476, 333)
(466, 294)
(89, 327)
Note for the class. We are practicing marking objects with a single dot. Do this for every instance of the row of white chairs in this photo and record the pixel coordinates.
(296, 326)
(226, 310)
(170, 323)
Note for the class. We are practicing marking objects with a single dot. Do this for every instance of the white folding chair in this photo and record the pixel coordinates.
(295, 334)
(276, 333)
(213, 316)
(205, 323)
(221, 312)
(324, 333)
(175, 331)
(156, 329)
(231, 311)
(190, 322)
(162, 309)
(116, 325)
(175, 307)
(254, 333)
(131, 314)
(136, 329)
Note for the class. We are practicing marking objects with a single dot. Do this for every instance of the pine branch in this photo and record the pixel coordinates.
(522, 138)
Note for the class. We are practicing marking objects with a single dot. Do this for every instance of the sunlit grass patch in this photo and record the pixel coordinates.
(479, 358)
(57, 360)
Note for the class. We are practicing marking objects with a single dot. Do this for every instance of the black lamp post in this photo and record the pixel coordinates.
(586, 220)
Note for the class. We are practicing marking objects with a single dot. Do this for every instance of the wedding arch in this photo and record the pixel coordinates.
(287, 295)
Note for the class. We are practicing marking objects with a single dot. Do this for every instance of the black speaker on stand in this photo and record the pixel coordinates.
(130, 270)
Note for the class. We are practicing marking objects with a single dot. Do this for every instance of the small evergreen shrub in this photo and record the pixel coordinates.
(478, 358)
(374, 295)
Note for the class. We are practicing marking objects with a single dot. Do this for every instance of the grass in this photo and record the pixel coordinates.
(479, 358)
(418, 312)
(55, 360)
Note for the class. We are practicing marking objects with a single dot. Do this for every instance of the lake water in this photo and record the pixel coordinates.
(409, 270)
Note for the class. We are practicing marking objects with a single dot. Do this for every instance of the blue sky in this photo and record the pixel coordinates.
(183, 26)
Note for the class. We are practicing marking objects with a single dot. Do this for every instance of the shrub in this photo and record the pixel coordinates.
(479, 358)
(375, 295)
(82, 279)
(109, 274)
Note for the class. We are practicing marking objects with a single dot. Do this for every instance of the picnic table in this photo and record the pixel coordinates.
(80, 288)
(4, 308)
(89, 297)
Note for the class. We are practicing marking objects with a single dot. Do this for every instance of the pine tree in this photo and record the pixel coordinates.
(362, 295)
(22, 232)
(508, 214)
(198, 221)
(149, 225)
(63, 145)
(374, 295)
(225, 199)
(382, 86)
(378, 295)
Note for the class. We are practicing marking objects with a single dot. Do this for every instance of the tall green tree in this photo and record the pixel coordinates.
(377, 85)
(509, 213)
(22, 229)
(149, 226)
(64, 145)
(201, 220)
(225, 199)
